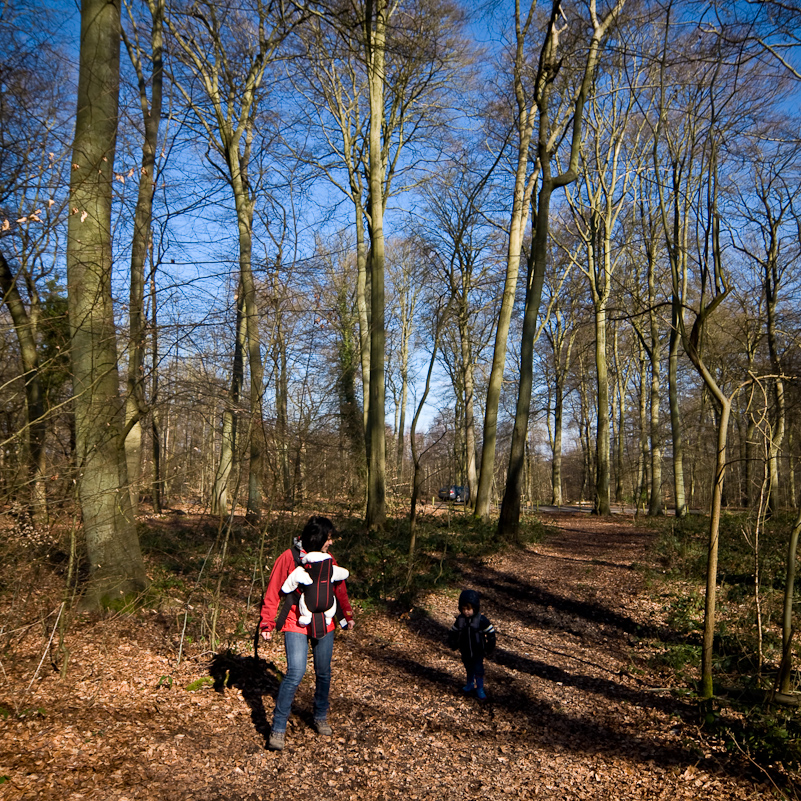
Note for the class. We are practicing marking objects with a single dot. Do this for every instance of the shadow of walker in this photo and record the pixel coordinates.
(253, 677)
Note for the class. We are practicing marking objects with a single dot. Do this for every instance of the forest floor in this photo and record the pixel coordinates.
(574, 711)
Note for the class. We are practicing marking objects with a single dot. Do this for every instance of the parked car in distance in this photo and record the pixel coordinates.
(453, 493)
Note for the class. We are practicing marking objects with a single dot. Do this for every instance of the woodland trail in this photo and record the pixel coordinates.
(573, 710)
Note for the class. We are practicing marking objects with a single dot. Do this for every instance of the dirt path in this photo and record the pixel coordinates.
(571, 715)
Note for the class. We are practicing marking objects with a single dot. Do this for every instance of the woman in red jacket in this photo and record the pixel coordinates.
(316, 536)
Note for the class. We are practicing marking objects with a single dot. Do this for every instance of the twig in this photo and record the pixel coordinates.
(9, 632)
(47, 650)
(759, 767)
(444, 551)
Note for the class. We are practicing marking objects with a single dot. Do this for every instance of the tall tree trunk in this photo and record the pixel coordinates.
(154, 394)
(468, 379)
(713, 276)
(562, 346)
(135, 405)
(490, 432)
(115, 559)
(509, 520)
(521, 197)
(282, 413)
(643, 455)
(375, 40)
(707, 689)
(363, 307)
(351, 422)
(400, 455)
(777, 427)
(675, 233)
(654, 349)
(655, 507)
(228, 116)
(556, 458)
(251, 314)
(750, 459)
(228, 440)
(619, 415)
(677, 437)
(601, 504)
(785, 673)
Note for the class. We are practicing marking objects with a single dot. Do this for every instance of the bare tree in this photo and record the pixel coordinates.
(227, 52)
(777, 200)
(135, 403)
(372, 100)
(604, 191)
(561, 329)
(417, 472)
(461, 249)
(525, 179)
(550, 130)
(648, 326)
(407, 273)
(32, 123)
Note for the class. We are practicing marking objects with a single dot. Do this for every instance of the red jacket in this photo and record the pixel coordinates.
(273, 598)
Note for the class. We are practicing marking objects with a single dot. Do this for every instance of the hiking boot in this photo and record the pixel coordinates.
(276, 741)
(322, 728)
(480, 694)
(468, 688)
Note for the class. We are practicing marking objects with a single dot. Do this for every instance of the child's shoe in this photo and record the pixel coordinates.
(468, 688)
(480, 694)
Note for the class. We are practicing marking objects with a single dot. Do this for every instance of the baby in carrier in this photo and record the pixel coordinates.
(311, 586)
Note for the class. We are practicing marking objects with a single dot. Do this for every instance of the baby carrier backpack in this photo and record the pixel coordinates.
(311, 587)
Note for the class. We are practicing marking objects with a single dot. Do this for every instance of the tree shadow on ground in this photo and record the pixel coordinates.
(544, 724)
(253, 677)
(423, 624)
(525, 600)
(594, 561)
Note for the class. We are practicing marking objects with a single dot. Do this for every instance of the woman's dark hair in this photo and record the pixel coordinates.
(315, 533)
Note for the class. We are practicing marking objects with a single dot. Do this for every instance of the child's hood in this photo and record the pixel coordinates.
(472, 598)
(315, 556)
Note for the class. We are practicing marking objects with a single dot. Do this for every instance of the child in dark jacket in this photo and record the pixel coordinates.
(474, 636)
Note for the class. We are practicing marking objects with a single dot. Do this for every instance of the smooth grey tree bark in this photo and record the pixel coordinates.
(135, 402)
(375, 32)
(115, 559)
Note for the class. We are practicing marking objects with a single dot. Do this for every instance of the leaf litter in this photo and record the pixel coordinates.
(573, 710)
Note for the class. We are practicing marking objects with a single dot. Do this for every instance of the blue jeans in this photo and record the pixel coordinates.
(297, 651)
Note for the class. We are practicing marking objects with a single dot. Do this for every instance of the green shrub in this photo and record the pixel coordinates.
(768, 736)
(199, 684)
(680, 659)
(126, 603)
(686, 613)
